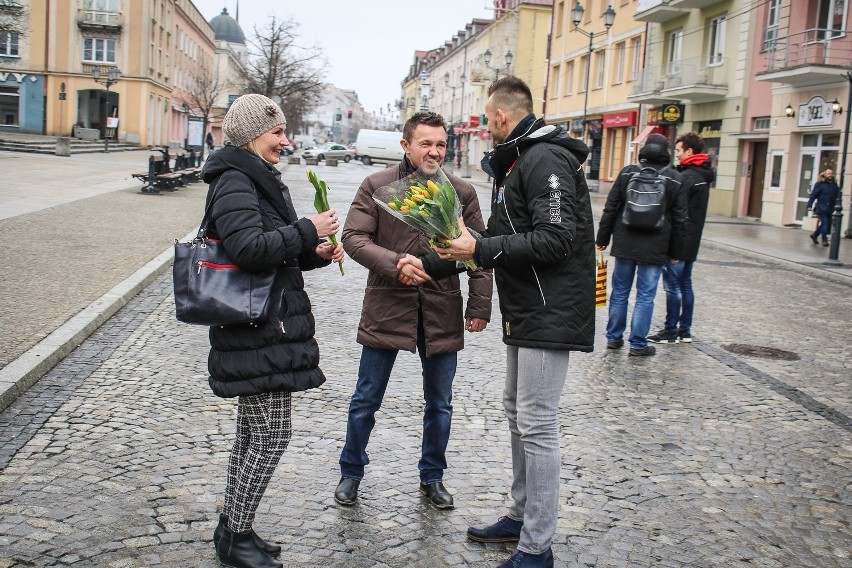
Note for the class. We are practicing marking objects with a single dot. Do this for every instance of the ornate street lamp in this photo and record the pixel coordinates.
(111, 79)
(577, 17)
(487, 58)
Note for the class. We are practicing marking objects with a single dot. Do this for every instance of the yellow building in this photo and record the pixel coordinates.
(596, 94)
(47, 84)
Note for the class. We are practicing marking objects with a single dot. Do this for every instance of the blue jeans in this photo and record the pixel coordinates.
(373, 376)
(680, 299)
(824, 226)
(647, 278)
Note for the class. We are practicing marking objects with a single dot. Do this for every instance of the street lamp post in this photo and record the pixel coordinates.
(487, 58)
(837, 216)
(112, 78)
(577, 17)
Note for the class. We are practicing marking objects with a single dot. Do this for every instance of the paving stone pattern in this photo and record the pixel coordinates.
(693, 458)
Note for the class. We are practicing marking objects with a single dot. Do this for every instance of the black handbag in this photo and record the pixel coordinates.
(211, 290)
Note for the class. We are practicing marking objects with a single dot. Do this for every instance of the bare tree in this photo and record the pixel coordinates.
(203, 90)
(278, 67)
(14, 18)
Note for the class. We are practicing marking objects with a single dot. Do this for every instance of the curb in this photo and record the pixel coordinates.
(26, 370)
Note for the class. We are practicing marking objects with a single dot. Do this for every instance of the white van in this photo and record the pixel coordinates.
(378, 146)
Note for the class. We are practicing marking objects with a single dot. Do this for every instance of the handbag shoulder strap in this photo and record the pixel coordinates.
(205, 220)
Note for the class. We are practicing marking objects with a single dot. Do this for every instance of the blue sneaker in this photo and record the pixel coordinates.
(504, 530)
(526, 560)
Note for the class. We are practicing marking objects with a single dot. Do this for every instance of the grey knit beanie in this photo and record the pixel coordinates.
(249, 117)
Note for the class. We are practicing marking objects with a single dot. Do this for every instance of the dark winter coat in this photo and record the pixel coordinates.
(540, 239)
(695, 182)
(377, 240)
(253, 214)
(825, 195)
(642, 246)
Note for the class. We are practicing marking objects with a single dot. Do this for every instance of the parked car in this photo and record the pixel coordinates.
(336, 151)
(288, 150)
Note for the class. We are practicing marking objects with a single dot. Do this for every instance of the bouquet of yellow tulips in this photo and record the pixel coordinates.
(426, 201)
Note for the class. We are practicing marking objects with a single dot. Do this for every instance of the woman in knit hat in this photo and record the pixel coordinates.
(262, 363)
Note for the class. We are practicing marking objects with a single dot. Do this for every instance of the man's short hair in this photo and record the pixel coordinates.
(423, 117)
(512, 95)
(692, 141)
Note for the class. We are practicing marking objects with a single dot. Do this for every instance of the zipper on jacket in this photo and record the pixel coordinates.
(509, 219)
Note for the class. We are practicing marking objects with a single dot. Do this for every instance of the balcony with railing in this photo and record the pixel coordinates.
(810, 57)
(698, 79)
(99, 21)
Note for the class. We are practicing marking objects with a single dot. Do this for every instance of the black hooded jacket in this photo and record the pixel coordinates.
(645, 247)
(540, 239)
(254, 217)
(695, 180)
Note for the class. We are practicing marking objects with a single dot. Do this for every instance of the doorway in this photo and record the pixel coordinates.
(758, 177)
(819, 152)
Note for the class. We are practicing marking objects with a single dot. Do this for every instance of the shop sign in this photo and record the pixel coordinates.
(653, 115)
(670, 114)
(710, 129)
(815, 112)
(619, 119)
(474, 121)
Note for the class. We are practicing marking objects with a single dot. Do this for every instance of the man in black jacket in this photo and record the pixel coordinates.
(640, 253)
(540, 242)
(696, 175)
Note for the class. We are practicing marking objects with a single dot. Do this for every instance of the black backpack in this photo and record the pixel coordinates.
(645, 205)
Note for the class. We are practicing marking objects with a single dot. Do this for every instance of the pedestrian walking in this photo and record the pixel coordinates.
(696, 175)
(822, 201)
(405, 311)
(209, 141)
(540, 242)
(263, 363)
(640, 250)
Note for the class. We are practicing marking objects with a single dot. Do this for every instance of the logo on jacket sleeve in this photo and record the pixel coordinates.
(555, 199)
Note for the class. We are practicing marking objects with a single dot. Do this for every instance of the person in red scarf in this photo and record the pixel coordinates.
(696, 177)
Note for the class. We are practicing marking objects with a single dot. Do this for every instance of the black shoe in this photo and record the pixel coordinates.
(526, 560)
(617, 344)
(684, 336)
(646, 351)
(270, 549)
(437, 494)
(239, 550)
(664, 336)
(813, 238)
(347, 491)
(825, 243)
(504, 530)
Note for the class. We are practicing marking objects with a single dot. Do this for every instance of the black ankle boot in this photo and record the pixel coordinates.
(270, 549)
(239, 550)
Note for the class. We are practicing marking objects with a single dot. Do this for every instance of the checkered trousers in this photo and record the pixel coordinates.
(263, 432)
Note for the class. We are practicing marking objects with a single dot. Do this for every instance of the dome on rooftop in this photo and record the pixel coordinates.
(227, 28)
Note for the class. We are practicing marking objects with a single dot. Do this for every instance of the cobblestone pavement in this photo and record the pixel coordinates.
(698, 457)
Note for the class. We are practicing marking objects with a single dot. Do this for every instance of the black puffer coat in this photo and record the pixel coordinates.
(540, 239)
(253, 214)
(645, 247)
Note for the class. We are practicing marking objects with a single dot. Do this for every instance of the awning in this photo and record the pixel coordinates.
(644, 134)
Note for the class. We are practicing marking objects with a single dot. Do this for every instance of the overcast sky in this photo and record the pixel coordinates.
(369, 44)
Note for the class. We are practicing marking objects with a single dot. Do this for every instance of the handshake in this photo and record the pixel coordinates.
(411, 271)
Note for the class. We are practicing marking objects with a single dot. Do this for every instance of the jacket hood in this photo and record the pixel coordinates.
(696, 165)
(534, 131)
(656, 150)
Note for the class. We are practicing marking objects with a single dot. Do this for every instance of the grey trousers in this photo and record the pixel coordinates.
(263, 433)
(534, 382)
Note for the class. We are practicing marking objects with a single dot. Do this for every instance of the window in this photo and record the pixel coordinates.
(9, 44)
(620, 50)
(716, 41)
(557, 20)
(584, 65)
(831, 14)
(101, 5)
(770, 34)
(9, 98)
(675, 42)
(637, 56)
(554, 80)
(99, 50)
(775, 171)
(601, 60)
(569, 78)
(761, 123)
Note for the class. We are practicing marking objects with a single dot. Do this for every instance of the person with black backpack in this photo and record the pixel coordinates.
(645, 216)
